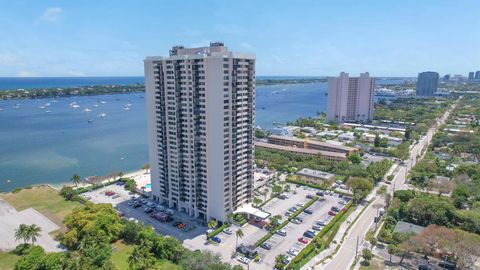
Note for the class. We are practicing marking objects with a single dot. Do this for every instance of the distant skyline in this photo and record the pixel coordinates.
(290, 38)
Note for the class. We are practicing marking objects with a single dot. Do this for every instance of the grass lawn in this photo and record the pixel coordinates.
(120, 255)
(375, 264)
(44, 199)
(122, 251)
(7, 260)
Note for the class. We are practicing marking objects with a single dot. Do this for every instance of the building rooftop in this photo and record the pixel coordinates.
(315, 173)
(346, 148)
(405, 227)
(299, 150)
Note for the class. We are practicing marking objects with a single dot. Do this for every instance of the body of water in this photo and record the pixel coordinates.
(48, 140)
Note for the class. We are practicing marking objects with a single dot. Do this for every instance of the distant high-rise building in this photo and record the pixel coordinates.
(350, 99)
(471, 76)
(427, 83)
(201, 109)
(477, 75)
(446, 78)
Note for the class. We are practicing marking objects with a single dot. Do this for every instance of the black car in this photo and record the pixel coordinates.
(308, 211)
(335, 209)
(448, 265)
(309, 234)
(319, 193)
(425, 267)
(266, 246)
(309, 196)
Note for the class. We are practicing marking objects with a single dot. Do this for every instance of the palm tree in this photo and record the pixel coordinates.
(21, 233)
(33, 232)
(212, 224)
(134, 259)
(76, 179)
(238, 233)
(120, 175)
(146, 167)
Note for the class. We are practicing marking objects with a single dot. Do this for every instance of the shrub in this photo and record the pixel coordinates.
(16, 190)
(68, 193)
(21, 249)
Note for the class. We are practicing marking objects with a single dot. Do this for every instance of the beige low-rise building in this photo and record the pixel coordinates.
(314, 176)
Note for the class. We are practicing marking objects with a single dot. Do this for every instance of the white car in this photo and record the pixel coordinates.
(300, 205)
(210, 230)
(282, 232)
(243, 260)
(227, 231)
(292, 252)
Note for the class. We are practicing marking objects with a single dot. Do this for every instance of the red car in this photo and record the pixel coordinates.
(332, 213)
(303, 240)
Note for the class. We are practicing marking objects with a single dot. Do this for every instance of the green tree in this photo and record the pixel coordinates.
(22, 233)
(76, 179)
(68, 193)
(279, 262)
(33, 231)
(54, 261)
(276, 189)
(360, 187)
(238, 233)
(32, 260)
(257, 201)
(367, 255)
(355, 158)
(212, 224)
(392, 250)
(141, 258)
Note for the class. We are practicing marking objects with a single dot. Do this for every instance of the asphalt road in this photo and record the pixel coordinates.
(344, 258)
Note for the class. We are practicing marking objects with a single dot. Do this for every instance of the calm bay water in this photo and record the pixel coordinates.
(37, 146)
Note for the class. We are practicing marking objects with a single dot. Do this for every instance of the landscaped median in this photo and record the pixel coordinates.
(218, 230)
(320, 187)
(280, 226)
(322, 239)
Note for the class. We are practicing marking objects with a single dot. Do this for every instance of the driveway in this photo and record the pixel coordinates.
(11, 220)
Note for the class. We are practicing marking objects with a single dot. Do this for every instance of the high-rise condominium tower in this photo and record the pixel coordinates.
(201, 110)
(350, 99)
(471, 76)
(427, 83)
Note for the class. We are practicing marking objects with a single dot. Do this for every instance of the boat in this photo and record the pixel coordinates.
(102, 115)
(126, 108)
(103, 102)
(90, 121)
(1, 109)
(87, 110)
(76, 106)
(42, 107)
(47, 104)
(48, 111)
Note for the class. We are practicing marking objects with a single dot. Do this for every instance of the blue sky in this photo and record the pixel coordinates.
(104, 38)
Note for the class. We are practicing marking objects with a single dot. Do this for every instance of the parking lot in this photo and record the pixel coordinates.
(279, 244)
(120, 201)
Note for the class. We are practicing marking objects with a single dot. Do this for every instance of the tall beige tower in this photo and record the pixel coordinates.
(201, 111)
(350, 99)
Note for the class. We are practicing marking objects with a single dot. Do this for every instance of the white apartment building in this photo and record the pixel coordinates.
(350, 99)
(201, 110)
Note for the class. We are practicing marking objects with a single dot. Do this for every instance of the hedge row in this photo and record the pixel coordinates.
(218, 230)
(81, 190)
(309, 251)
(293, 216)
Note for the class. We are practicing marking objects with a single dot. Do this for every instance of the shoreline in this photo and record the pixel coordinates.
(59, 185)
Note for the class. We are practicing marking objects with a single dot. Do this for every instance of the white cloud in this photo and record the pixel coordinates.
(51, 14)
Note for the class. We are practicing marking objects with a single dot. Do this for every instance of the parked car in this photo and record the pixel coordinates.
(309, 196)
(321, 223)
(300, 205)
(282, 232)
(331, 213)
(210, 231)
(447, 265)
(317, 227)
(425, 267)
(308, 211)
(227, 231)
(282, 197)
(288, 214)
(295, 221)
(137, 205)
(266, 246)
(148, 210)
(308, 234)
(243, 260)
(216, 239)
(292, 252)
(334, 208)
(300, 219)
(319, 193)
(342, 202)
(287, 259)
(293, 209)
(115, 196)
(303, 240)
